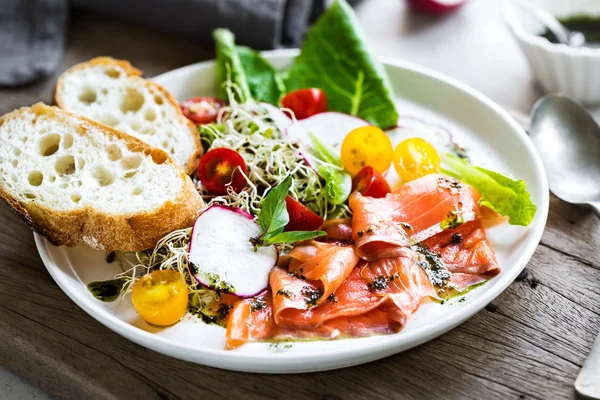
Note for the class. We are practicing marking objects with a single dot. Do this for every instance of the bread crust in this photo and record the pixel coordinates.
(135, 75)
(101, 230)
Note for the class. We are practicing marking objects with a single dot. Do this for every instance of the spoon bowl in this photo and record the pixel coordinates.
(568, 140)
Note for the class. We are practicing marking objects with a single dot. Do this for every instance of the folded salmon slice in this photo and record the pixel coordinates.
(327, 263)
(416, 211)
(466, 253)
(250, 320)
(401, 279)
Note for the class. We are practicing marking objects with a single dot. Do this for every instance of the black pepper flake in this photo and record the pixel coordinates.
(111, 257)
(406, 226)
(312, 295)
(370, 231)
(283, 292)
(360, 233)
(433, 266)
(456, 238)
(223, 311)
(257, 304)
(297, 274)
(332, 298)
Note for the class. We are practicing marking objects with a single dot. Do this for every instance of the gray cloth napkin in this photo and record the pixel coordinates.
(32, 32)
(32, 39)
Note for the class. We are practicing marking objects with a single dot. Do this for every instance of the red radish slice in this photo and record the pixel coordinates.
(436, 6)
(330, 127)
(281, 120)
(224, 258)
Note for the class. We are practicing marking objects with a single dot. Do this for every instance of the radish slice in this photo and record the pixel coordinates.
(221, 251)
(281, 120)
(330, 127)
(436, 6)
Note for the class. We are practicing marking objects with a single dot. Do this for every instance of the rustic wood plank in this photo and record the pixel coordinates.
(529, 343)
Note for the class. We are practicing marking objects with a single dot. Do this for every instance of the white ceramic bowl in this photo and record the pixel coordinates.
(493, 139)
(557, 67)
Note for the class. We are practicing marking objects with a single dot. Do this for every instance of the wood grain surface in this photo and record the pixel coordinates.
(528, 343)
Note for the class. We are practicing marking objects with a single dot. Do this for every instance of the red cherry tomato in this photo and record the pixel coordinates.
(220, 169)
(301, 218)
(202, 110)
(370, 183)
(305, 102)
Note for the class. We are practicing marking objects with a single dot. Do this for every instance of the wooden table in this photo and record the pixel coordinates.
(528, 343)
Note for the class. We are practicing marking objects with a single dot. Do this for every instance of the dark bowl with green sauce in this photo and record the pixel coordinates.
(558, 67)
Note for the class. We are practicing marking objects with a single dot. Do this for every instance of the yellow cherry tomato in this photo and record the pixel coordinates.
(160, 297)
(366, 146)
(414, 158)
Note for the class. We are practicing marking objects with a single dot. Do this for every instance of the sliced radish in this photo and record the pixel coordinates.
(330, 127)
(436, 6)
(221, 251)
(281, 120)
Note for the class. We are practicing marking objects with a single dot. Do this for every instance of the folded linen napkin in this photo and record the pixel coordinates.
(33, 32)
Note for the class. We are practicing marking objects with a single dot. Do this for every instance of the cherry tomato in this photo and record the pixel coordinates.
(305, 102)
(202, 110)
(220, 168)
(370, 183)
(301, 218)
(160, 297)
(366, 146)
(414, 158)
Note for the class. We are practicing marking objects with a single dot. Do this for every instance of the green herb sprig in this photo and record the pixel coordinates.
(273, 218)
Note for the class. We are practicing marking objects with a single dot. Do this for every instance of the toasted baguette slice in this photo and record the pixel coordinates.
(73, 180)
(112, 92)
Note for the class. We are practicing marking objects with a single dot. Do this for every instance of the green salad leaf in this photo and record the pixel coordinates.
(335, 58)
(324, 151)
(507, 196)
(338, 183)
(229, 66)
(264, 81)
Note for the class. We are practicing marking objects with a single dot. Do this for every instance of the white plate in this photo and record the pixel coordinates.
(495, 141)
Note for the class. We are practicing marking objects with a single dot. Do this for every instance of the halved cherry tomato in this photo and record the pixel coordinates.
(301, 218)
(414, 158)
(364, 146)
(202, 110)
(220, 168)
(305, 102)
(160, 297)
(370, 183)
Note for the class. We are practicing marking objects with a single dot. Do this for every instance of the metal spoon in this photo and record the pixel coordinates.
(568, 140)
(561, 33)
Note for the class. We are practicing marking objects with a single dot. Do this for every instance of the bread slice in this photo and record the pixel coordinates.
(112, 92)
(73, 180)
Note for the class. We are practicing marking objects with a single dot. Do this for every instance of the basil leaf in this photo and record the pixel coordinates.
(273, 215)
(501, 193)
(335, 58)
(293, 237)
(338, 183)
(264, 81)
(229, 66)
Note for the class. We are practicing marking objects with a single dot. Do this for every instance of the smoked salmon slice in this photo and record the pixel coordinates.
(466, 253)
(416, 211)
(250, 320)
(401, 279)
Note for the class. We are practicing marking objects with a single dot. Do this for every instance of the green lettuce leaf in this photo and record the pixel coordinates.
(507, 196)
(264, 81)
(338, 183)
(335, 58)
(229, 66)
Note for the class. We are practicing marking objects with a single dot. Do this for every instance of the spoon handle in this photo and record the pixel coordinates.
(596, 206)
(587, 383)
